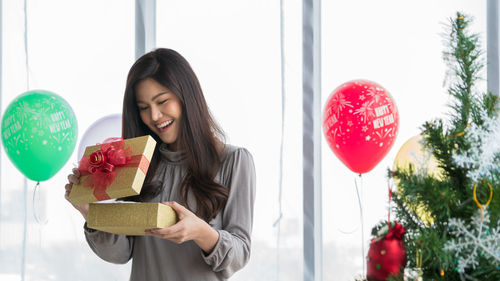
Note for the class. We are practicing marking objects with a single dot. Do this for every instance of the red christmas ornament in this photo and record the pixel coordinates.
(387, 254)
(360, 123)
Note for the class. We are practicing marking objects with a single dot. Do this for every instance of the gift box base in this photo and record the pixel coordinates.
(129, 218)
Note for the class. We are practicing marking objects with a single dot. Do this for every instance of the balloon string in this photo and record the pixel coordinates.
(25, 229)
(277, 222)
(25, 181)
(362, 222)
(347, 232)
(26, 45)
(37, 195)
(390, 197)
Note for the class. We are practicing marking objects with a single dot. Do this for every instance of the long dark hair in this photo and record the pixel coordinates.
(199, 134)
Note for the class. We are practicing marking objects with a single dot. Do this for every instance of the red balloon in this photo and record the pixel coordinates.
(360, 122)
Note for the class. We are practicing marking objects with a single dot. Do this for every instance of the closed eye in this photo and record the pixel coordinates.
(163, 101)
(141, 108)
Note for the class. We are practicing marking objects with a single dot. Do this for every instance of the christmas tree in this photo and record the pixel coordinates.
(461, 239)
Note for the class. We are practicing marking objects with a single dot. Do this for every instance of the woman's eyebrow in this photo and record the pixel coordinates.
(155, 97)
(159, 94)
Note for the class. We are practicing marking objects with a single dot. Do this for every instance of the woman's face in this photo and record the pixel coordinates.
(160, 110)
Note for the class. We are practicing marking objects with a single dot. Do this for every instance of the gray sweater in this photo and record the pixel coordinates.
(159, 259)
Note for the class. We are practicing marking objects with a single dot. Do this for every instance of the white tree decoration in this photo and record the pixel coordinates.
(473, 240)
(483, 156)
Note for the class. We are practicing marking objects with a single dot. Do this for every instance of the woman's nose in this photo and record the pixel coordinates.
(155, 113)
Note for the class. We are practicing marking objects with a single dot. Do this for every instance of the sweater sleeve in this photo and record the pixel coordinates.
(232, 250)
(110, 247)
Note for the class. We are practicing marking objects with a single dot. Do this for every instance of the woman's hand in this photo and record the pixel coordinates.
(74, 178)
(189, 227)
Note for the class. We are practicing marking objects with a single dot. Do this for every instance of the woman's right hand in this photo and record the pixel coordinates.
(74, 178)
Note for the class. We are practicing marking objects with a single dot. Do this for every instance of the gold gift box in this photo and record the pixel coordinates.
(130, 218)
(128, 180)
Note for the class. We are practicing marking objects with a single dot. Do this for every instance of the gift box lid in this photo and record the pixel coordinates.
(128, 180)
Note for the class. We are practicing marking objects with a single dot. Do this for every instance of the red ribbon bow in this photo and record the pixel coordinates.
(102, 163)
(396, 231)
(393, 230)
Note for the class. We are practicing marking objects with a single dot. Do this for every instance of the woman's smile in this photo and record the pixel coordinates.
(163, 127)
(160, 110)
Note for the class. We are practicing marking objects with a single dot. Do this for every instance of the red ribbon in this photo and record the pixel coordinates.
(102, 164)
(394, 230)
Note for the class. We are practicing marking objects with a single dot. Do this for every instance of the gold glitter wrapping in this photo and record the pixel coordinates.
(130, 218)
(128, 180)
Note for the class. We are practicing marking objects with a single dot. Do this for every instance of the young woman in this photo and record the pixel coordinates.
(211, 185)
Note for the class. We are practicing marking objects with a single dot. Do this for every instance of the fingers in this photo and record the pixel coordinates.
(178, 208)
(68, 190)
(73, 179)
(170, 231)
(180, 232)
(175, 235)
(76, 172)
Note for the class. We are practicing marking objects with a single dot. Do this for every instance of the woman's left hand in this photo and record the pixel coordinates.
(189, 227)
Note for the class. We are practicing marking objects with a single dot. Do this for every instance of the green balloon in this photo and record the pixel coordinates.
(39, 133)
